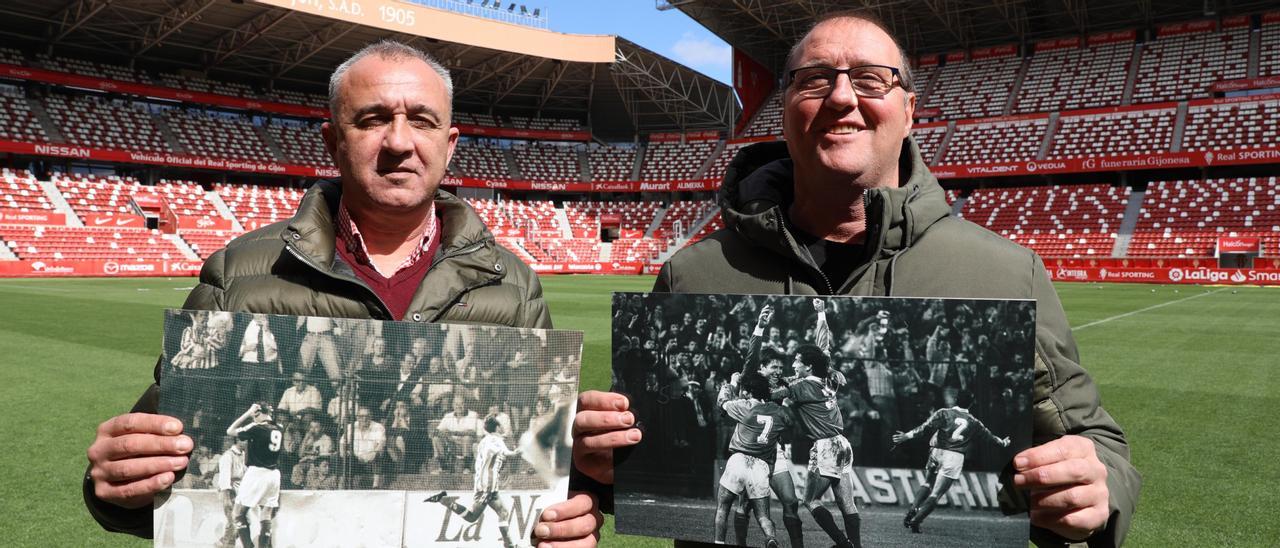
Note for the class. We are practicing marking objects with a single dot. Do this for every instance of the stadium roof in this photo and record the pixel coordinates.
(766, 29)
(282, 48)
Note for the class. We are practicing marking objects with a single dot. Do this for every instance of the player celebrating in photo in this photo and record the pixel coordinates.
(768, 363)
(491, 453)
(261, 483)
(753, 447)
(954, 431)
(813, 396)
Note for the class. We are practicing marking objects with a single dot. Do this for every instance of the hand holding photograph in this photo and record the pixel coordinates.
(334, 432)
(779, 420)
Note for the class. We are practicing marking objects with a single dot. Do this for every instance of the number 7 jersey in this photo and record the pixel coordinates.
(760, 424)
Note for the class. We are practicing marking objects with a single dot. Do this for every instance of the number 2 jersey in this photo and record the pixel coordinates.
(760, 424)
(954, 429)
(265, 441)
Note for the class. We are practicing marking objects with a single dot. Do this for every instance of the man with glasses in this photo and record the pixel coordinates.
(847, 206)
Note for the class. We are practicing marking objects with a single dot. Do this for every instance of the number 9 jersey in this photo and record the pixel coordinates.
(265, 441)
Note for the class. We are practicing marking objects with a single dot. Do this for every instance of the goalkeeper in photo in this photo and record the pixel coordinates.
(953, 430)
(491, 453)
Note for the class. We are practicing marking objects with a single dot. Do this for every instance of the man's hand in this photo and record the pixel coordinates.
(899, 437)
(766, 316)
(1004, 442)
(602, 424)
(574, 523)
(135, 456)
(1068, 486)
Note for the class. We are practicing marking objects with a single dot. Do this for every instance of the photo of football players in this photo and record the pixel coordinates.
(839, 374)
(407, 410)
(260, 486)
(954, 431)
(491, 453)
(753, 450)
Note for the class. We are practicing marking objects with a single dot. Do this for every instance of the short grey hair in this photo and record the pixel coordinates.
(904, 69)
(391, 50)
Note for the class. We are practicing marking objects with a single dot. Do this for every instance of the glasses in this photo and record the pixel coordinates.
(866, 80)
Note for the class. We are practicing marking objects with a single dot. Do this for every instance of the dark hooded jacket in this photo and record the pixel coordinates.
(915, 249)
(292, 268)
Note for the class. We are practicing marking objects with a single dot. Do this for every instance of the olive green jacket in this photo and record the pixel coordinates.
(915, 249)
(291, 268)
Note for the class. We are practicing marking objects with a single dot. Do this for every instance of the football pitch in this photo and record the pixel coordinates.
(1192, 373)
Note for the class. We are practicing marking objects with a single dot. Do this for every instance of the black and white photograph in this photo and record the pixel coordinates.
(789, 421)
(315, 431)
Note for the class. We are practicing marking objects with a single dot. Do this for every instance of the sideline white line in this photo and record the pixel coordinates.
(1152, 307)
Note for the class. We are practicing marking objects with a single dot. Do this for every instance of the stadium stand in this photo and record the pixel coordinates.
(96, 195)
(666, 161)
(89, 68)
(768, 120)
(64, 243)
(611, 163)
(255, 205)
(298, 98)
(186, 199)
(206, 85)
(721, 163)
(94, 121)
(929, 138)
(1055, 221)
(680, 218)
(634, 215)
(17, 123)
(552, 124)
(1185, 218)
(218, 135)
(300, 142)
(20, 191)
(974, 89)
(1119, 133)
(541, 161)
(11, 56)
(1269, 51)
(1073, 78)
(631, 250)
(987, 142)
(1185, 65)
(476, 119)
(1231, 125)
(577, 250)
(525, 215)
(951, 195)
(205, 242)
(479, 159)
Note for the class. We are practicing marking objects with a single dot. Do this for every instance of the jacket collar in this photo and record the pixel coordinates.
(465, 242)
(759, 188)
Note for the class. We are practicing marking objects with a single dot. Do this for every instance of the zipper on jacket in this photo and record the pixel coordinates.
(386, 312)
(821, 274)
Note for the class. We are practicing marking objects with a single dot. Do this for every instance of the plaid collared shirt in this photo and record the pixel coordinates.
(349, 235)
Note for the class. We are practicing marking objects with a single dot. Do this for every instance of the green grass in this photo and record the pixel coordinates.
(1194, 383)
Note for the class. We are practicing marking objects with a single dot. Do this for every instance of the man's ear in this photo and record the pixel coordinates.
(910, 110)
(329, 133)
(453, 143)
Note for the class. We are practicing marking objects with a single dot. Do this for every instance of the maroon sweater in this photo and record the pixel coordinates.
(398, 290)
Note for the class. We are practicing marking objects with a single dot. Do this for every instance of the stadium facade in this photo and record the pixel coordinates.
(139, 137)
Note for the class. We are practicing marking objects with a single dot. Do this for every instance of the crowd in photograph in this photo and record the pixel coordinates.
(899, 359)
(362, 404)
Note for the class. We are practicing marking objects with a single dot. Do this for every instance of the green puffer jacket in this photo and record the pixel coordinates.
(291, 268)
(916, 250)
